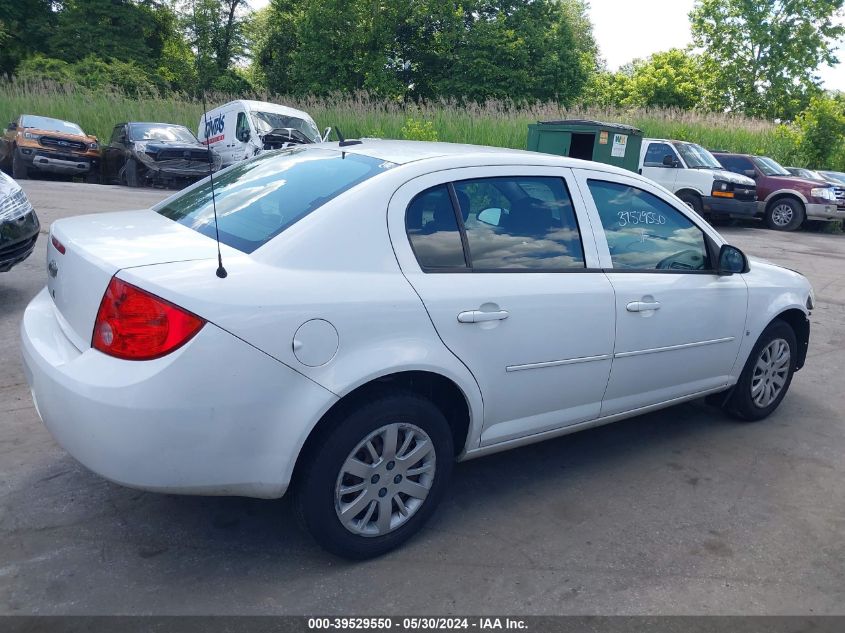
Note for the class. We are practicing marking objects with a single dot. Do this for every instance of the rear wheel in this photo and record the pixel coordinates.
(767, 374)
(20, 170)
(373, 480)
(785, 214)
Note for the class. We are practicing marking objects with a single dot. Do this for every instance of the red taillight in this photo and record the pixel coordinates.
(57, 244)
(135, 325)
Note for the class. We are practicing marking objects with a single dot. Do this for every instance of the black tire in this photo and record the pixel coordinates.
(20, 170)
(693, 201)
(785, 214)
(314, 493)
(93, 178)
(133, 178)
(741, 402)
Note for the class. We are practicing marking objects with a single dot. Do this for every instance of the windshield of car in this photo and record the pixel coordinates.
(696, 157)
(770, 167)
(268, 121)
(161, 132)
(51, 125)
(258, 199)
(839, 177)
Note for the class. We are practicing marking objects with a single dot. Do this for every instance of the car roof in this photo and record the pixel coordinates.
(266, 106)
(405, 152)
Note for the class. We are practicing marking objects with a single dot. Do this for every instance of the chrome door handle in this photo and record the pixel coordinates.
(477, 316)
(643, 306)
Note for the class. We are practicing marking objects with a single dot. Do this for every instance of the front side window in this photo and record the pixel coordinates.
(520, 223)
(656, 153)
(242, 128)
(645, 233)
(258, 199)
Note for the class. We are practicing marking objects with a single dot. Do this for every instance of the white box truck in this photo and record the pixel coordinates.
(242, 129)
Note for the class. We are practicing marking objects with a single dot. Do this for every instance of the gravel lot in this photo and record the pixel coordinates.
(680, 512)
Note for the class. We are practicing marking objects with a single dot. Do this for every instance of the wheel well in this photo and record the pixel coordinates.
(781, 196)
(441, 391)
(692, 192)
(799, 323)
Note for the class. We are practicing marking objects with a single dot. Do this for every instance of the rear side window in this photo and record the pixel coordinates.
(645, 233)
(433, 230)
(520, 223)
(258, 199)
(507, 224)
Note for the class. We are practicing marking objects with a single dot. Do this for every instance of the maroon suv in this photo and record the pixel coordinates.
(785, 201)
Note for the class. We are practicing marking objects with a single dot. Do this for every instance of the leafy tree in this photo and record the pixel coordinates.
(671, 79)
(126, 30)
(822, 132)
(215, 30)
(24, 29)
(762, 54)
(517, 49)
(41, 68)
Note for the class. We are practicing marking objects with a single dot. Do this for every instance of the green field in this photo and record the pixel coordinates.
(501, 124)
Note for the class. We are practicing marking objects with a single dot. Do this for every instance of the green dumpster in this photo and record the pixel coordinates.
(610, 143)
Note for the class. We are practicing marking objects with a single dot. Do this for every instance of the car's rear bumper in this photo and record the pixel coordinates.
(216, 417)
(17, 240)
(729, 206)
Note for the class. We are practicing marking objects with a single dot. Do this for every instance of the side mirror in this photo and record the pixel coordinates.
(243, 136)
(731, 261)
(12, 126)
(670, 161)
(750, 173)
(326, 134)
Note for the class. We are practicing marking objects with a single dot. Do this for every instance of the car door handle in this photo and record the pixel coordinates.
(643, 306)
(477, 316)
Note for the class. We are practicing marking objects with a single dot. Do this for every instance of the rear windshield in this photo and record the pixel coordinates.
(258, 199)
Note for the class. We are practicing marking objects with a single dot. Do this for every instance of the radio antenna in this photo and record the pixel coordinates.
(221, 272)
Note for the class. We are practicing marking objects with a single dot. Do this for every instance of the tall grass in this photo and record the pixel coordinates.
(498, 123)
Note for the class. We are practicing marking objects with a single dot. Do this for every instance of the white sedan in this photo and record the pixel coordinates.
(386, 309)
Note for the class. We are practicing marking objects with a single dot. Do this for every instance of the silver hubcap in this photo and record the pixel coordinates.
(770, 373)
(782, 215)
(385, 480)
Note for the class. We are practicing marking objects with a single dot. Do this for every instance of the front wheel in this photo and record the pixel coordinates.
(693, 201)
(767, 374)
(374, 479)
(133, 178)
(20, 170)
(785, 214)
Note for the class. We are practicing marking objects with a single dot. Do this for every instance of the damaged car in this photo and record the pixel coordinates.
(19, 225)
(156, 154)
(241, 129)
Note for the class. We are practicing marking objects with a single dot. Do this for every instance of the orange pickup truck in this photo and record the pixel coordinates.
(41, 144)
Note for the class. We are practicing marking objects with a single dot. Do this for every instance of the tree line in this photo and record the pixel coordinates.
(755, 57)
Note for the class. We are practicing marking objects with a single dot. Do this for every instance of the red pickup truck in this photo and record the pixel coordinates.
(785, 201)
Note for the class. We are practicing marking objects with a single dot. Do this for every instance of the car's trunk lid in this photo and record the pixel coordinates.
(98, 246)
